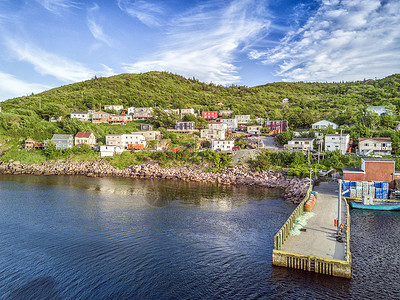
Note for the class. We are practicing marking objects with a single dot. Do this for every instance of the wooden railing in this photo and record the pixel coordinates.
(347, 246)
(283, 233)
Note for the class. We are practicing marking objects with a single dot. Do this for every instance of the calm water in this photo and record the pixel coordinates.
(113, 238)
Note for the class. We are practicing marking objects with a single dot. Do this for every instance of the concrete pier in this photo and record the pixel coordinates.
(316, 249)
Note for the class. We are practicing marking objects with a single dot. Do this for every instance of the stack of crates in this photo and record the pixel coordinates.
(381, 190)
(357, 189)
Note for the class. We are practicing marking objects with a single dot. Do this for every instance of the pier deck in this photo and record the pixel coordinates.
(316, 248)
(319, 237)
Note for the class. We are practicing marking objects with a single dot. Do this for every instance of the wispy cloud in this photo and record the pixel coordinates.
(204, 41)
(11, 87)
(57, 6)
(49, 64)
(348, 39)
(147, 12)
(95, 28)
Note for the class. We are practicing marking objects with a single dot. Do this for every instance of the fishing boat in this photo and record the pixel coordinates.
(378, 205)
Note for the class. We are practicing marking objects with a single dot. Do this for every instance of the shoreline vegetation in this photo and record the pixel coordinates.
(293, 189)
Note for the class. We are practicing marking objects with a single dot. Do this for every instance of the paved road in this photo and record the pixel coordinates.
(319, 237)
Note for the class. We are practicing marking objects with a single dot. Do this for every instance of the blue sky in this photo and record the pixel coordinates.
(49, 43)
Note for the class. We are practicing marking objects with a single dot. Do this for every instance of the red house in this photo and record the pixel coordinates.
(373, 169)
(210, 115)
(279, 125)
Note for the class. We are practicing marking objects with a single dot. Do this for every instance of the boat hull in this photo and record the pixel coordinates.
(375, 206)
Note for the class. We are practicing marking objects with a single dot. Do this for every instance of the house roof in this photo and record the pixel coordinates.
(302, 139)
(29, 140)
(337, 134)
(79, 112)
(61, 136)
(83, 134)
(378, 160)
(380, 139)
(323, 121)
(352, 170)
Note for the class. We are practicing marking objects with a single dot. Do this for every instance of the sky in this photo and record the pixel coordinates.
(50, 43)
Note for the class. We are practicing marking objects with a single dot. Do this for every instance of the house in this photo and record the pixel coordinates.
(300, 144)
(31, 144)
(277, 126)
(226, 112)
(254, 129)
(335, 142)
(144, 127)
(114, 107)
(54, 119)
(142, 113)
(217, 126)
(232, 124)
(187, 111)
(107, 150)
(373, 169)
(85, 138)
(223, 145)
(80, 115)
(323, 124)
(172, 111)
(285, 101)
(100, 117)
(218, 134)
(380, 110)
(125, 140)
(149, 135)
(374, 146)
(210, 115)
(242, 119)
(260, 121)
(120, 119)
(63, 141)
(131, 110)
(185, 126)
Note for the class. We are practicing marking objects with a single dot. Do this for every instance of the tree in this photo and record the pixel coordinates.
(284, 137)
(50, 150)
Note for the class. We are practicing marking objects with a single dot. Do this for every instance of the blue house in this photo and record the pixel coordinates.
(63, 141)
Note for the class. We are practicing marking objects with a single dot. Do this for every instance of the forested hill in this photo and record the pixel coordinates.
(338, 102)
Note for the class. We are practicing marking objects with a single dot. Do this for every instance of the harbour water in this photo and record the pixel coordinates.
(117, 238)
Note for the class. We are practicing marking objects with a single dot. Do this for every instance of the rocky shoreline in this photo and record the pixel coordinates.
(294, 189)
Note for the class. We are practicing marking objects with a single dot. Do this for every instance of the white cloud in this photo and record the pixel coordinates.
(49, 64)
(346, 40)
(147, 12)
(203, 42)
(57, 6)
(95, 28)
(11, 87)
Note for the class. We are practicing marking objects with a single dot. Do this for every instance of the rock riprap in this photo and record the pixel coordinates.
(294, 189)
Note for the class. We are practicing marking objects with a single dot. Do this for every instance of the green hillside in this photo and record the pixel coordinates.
(343, 103)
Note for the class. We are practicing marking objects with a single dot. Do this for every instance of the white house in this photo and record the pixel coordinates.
(80, 115)
(107, 150)
(323, 124)
(218, 126)
(337, 142)
(375, 146)
(223, 145)
(149, 135)
(380, 110)
(242, 119)
(114, 107)
(141, 113)
(125, 140)
(218, 134)
(303, 144)
(232, 124)
(85, 138)
(187, 111)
